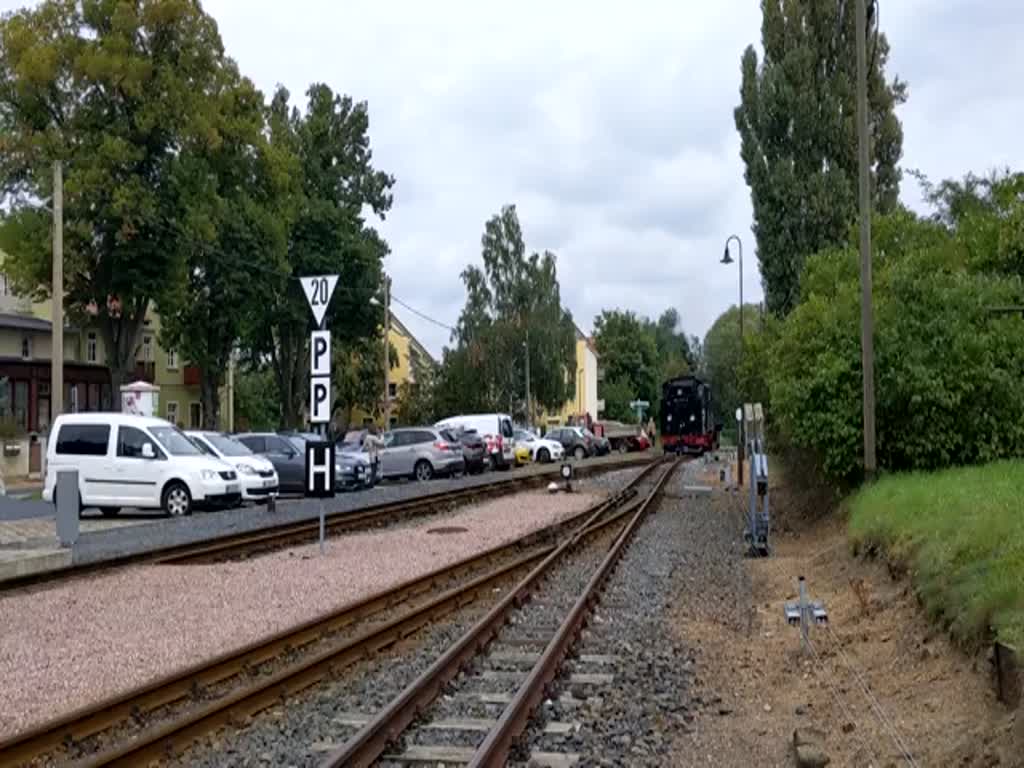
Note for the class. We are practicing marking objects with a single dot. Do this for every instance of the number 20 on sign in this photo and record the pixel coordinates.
(318, 292)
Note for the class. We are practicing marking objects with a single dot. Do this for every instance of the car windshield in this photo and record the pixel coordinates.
(228, 446)
(350, 446)
(202, 446)
(175, 442)
(298, 442)
(526, 437)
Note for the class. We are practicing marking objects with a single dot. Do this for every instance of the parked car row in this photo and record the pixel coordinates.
(147, 463)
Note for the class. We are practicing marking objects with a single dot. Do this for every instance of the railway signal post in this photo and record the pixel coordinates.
(759, 512)
(320, 455)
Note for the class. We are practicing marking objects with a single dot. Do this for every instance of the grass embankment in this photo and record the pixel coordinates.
(960, 532)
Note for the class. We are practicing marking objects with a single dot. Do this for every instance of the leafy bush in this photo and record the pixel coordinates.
(947, 370)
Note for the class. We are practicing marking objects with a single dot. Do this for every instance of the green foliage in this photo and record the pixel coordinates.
(947, 369)
(961, 534)
(725, 360)
(120, 92)
(257, 402)
(327, 148)
(358, 376)
(628, 353)
(513, 308)
(799, 140)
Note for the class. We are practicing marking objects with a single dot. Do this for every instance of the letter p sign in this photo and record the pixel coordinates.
(320, 381)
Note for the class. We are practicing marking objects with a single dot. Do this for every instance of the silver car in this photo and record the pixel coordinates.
(420, 452)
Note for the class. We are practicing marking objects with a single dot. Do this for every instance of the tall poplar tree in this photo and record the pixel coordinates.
(797, 124)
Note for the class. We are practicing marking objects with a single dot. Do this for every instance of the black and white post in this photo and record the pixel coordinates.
(320, 462)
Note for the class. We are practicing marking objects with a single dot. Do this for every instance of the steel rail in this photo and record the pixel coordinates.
(104, 715)
(367, 745)
(286, 534)
(494, 751)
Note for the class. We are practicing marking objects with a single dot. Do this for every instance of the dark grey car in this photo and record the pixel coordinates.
(283, 454)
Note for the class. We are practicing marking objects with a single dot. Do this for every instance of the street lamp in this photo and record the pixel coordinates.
(387, 352)
(727, 259)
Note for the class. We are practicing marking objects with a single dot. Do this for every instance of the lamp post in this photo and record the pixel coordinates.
(529, 413)
(727, 259)
(387, 351)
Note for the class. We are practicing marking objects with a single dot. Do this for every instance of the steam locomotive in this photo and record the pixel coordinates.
(687, 425)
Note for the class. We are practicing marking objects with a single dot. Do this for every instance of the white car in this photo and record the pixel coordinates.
(256, 474)
(136, 461)
(541, 449)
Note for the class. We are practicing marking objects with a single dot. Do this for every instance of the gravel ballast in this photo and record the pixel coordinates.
(683, 553)
(79, 642)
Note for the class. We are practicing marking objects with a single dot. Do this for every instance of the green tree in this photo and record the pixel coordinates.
(232, 194)
(325, 232)
(257, 404)
(120, 92)
(796, 121)
(723, 356)
(629, 356)
(358, 376)
(947, 370)
(513, 308)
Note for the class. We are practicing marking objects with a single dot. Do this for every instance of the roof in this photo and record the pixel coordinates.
(25, 322)
(112, 417)
(413, 341)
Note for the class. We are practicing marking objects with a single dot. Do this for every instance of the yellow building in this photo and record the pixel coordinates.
(402, 370)
(585, 399)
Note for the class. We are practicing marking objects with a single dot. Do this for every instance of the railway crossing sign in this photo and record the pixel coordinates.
(320, 470)
(639, 406)
(319, 290)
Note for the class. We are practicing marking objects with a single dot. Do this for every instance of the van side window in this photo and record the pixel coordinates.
(506, 428)
(83, 439)
(130, 441)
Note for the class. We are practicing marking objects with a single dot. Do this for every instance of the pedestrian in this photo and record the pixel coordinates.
(650, 430)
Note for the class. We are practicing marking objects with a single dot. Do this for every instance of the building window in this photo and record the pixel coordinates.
(90, 347)
(392, 389)
(172, 412)
(172, 360)
(72, 399)
(195, 415)
(147, 349)
(26, 347)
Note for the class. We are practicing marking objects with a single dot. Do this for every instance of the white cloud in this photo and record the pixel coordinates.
(609, 125)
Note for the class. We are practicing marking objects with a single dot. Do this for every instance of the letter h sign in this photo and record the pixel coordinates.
(320, 470)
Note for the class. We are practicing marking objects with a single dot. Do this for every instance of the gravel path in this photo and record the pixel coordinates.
(91, 638)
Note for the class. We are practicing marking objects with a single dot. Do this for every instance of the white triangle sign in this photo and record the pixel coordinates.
(318, 291)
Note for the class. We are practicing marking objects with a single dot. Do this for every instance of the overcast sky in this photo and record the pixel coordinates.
(609, 125)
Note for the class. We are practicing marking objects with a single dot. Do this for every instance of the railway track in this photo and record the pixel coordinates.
(545, 613)
(254, 543)
(167, 715)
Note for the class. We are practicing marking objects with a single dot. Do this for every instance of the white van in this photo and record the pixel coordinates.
(494, 428)
(136, 461)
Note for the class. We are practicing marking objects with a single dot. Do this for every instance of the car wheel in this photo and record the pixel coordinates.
(580, 453)
(423, 470)
(109, 511)
(543, 456)
(177, 501)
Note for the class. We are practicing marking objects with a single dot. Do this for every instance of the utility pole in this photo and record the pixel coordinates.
(57, 351)
(529, 413)
(866, 319)
(387, 352)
